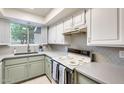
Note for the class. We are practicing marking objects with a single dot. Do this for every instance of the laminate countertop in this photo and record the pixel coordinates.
(49, 53)
(103, 72)
(55, 55)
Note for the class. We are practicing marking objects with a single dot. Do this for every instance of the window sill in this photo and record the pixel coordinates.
(24, 44)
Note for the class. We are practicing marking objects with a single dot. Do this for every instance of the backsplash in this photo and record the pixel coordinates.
(78, 41)
(103, 54)
(61, 48)
(5, 50)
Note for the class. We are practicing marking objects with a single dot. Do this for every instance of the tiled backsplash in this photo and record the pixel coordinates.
(103, 54)
(9, 49)
(78, 41)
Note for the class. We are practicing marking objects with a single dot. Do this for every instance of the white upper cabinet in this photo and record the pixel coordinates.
(52, 35)
(4, 32)
(105, 27)
(79, 19)
(44, 35)
(68, 24)
(55, 35)
(59, 34)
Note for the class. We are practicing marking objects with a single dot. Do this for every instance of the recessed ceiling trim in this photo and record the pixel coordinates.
(43, 12)
(53, 16)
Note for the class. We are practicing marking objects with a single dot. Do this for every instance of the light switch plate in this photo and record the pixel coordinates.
(121, 54)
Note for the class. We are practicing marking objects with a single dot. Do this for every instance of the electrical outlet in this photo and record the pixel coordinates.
(121, 54)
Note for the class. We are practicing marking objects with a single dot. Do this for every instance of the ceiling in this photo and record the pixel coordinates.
(37, 16)
(37, 11)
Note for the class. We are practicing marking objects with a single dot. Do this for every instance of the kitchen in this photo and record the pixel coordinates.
(61, 45)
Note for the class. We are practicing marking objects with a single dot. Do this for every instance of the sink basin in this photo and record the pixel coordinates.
(25, 53)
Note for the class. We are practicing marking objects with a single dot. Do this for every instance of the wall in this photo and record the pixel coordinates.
(103, 54)
(6, 50)
(61, 48)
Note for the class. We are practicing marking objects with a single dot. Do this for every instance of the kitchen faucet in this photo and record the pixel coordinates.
(28, 38)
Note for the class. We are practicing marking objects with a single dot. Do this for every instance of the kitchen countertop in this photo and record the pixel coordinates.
(98, 71)
(103, 72)
(49, 53)
(53, 54)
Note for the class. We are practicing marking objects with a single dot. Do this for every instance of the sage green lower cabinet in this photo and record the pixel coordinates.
(15, 73)
(0, 72)
(81, 79)
(48, 66)
(20, 69)
(36, 68)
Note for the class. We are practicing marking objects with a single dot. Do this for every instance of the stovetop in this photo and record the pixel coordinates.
(81, 52)
(75, 59)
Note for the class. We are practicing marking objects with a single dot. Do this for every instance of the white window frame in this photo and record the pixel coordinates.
(20, 44)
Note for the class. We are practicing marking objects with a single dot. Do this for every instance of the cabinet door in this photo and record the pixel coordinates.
(44, 35)
(79, 19)
(103, 26)
(68, 24)
(49, 70)
(4, 32)
(59, 34)
(48, 67)
(52, 34)
(14, 74)
(36, 69)
(54, 37)
(81, 79)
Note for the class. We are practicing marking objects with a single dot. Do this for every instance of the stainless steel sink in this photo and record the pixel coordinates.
(24, 53)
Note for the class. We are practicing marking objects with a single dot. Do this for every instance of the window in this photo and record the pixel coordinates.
(20, 32)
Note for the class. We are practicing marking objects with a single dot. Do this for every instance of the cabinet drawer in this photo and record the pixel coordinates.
(81, 79)
(15, 61)
(35, 58)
